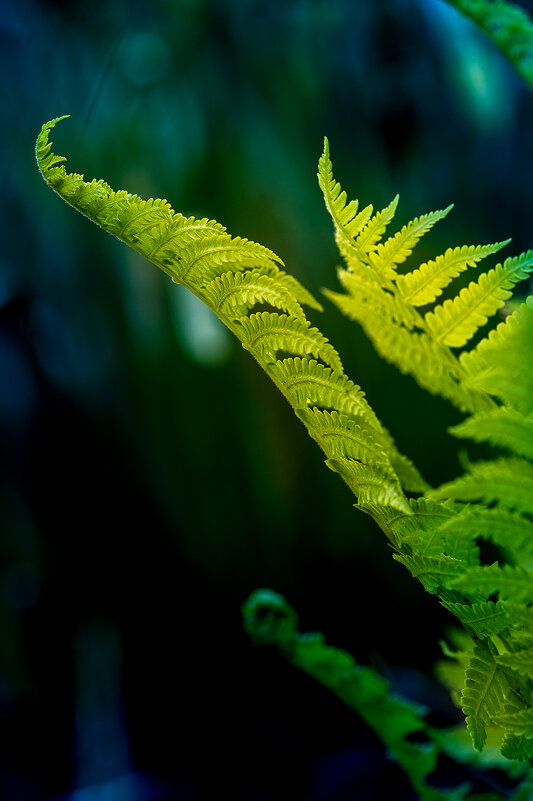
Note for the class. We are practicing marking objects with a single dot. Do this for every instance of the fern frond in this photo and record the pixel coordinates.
(425, 515)
(270, 332)
(372, 485)
(509, 27)
(268, 619)
(496, 365)
(485, 619)
(371, 234)
(484, 694)
(340, 436)
(426, 283)
(409, 475)
(367, 297)
(310, 383)
(511, 583)
(517, 747)
(344, 215)
(508, 482)
(455, 321)
(521, 661)
(517, 722)
(241, 291)
(502, 427)
(433, 572)
(504, 528)
(431, 363)
(232, 276)
(397, 248)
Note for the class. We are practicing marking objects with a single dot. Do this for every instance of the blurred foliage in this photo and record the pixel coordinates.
(110, 511)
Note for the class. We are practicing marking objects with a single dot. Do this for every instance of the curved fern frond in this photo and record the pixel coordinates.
(340, 436)
(233, 276)
(434, 537)
(310, 383)
(270, 332)
(239, 292)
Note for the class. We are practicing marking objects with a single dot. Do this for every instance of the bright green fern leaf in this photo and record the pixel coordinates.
(484, 695)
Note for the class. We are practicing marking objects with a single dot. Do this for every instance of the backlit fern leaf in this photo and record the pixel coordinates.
(270, 332)
(484, 694)
(426, 283)
(508, 482)
(347, 222)
(435, 537)
(504, 528)
(497, 363)
(455, 321)
(243, 290)
(397, 248)
(503, 427)
(232, 276)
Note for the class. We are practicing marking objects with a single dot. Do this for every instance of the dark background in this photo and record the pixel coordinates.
(151, 477)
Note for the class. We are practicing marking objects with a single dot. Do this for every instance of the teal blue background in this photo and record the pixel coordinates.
(151, 476)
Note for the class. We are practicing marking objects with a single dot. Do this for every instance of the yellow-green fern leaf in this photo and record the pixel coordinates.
(397, 248)
(270, 332)
(374, 487)
(426, 283)
(344, 215)
(503, 427)
(368, 238)
(310, 383)
(241, 291)
(455, 321)
(366, 297)
(496, 365)
(340, 436)
(509, 530)
(508, 482)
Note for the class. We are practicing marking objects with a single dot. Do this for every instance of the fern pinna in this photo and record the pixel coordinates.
(434, 534)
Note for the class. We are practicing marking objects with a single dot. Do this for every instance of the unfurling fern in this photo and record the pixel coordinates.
(435, 535)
